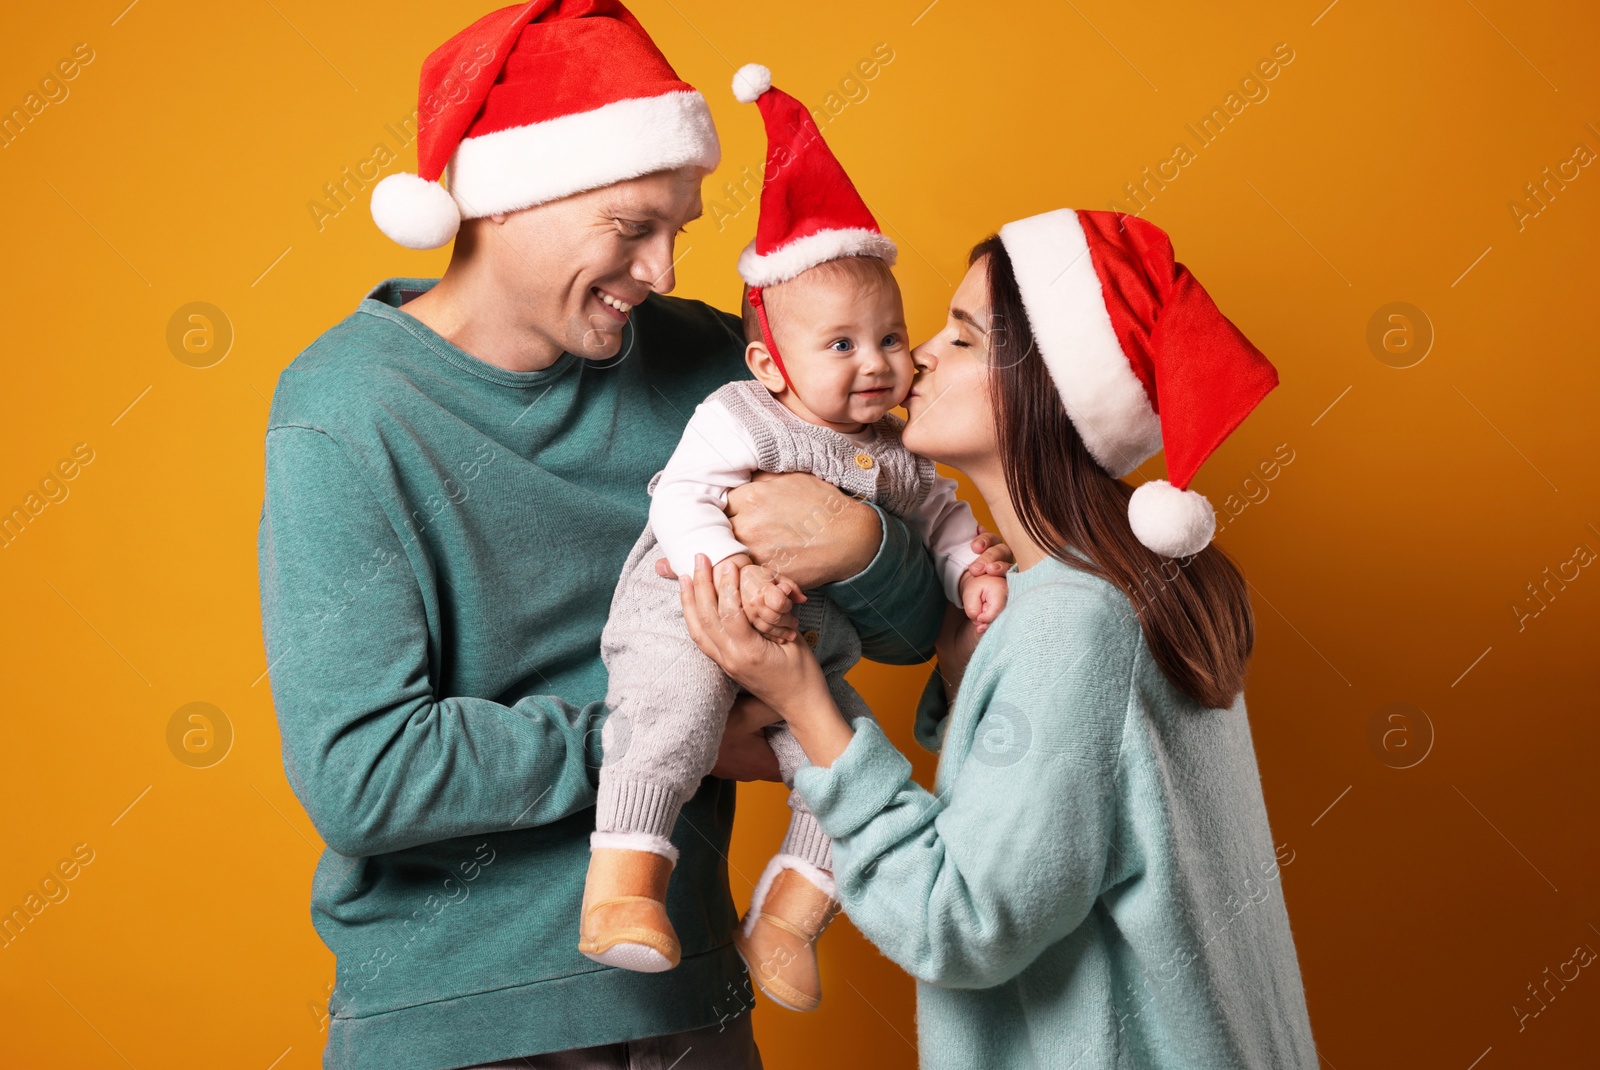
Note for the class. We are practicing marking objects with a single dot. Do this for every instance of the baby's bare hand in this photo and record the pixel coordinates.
(994, 558)
(768, 599)
(982, 599)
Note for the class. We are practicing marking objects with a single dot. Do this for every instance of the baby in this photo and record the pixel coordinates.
(826, 342)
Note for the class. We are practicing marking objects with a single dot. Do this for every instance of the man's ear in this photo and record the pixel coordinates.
(764, 368)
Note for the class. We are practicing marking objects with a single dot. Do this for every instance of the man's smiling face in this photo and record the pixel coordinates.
(585, 261)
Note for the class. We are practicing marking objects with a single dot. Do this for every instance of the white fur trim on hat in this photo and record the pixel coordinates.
(803, 254)
(414, 212)
(1172, 522)
(528, 165)
(779, 863)
(1067, 312)
(750, 81)
(634, 841)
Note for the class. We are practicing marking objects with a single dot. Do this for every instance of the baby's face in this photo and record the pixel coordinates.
(844, 346)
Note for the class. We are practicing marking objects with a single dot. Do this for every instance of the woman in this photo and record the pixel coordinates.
(1093, 882)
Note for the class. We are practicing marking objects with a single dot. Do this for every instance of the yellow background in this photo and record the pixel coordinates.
(1386, 559)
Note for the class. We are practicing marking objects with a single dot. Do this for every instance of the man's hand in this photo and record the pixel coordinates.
(744, 753)
(809, 530)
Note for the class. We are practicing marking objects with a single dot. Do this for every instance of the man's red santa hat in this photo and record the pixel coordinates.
(536, 102)
(810, 210)
(1141, 357)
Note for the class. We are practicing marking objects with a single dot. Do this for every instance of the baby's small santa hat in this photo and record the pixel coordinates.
(810, 210)
(535, 102)
(1141, 356)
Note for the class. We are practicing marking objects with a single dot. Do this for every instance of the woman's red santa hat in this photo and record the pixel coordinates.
(1141, 357)
(810, 210)
(536, 102)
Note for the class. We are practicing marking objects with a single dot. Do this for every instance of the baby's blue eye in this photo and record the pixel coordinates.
(837, 343)
(890, 341)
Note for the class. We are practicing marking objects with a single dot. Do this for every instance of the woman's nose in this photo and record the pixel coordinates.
(922, 358)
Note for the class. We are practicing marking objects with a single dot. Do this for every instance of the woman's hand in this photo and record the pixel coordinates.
(774, 672)
(958, 637)
(786, 676)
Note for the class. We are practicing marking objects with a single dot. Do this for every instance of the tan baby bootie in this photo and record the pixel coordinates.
(624, 919)
(794, 901)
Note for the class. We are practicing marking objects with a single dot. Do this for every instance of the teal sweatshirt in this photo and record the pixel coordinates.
(1092, 883)
(439, 543)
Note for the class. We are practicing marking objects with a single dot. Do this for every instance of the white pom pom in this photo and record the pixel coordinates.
(415, 212)
(1172, 522)
(750, 81)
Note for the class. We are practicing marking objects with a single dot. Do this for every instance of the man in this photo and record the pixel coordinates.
(454, 476)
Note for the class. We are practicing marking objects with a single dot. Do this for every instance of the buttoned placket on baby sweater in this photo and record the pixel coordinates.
(439, 542)
(1093, 883)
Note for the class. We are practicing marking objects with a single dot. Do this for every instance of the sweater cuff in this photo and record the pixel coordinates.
(885, 557)
(716, 545)
(933, 713)
(862, 781)
(897, 601)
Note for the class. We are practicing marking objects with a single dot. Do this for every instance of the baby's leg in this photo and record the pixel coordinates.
(669, 705)
(796, 892)
(805, 839)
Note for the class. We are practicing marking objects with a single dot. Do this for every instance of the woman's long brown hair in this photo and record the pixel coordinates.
(1194, 611)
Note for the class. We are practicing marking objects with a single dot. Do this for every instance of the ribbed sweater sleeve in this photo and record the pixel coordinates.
(965, 887)
(380, 761)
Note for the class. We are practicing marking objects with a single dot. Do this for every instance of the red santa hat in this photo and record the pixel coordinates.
(810, 210)
(1141, 356)
(535, 102)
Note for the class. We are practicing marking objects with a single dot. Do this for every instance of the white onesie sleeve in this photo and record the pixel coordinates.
(947, 527)
(715, 454)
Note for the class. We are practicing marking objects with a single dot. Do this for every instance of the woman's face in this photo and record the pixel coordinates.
(949, 417)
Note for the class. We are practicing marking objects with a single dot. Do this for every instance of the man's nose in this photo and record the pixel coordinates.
(657, 268)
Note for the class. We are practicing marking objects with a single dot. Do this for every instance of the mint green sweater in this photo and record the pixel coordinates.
(1093, 883)
(439, 543)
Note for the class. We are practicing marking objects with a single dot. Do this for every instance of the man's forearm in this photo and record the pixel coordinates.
(896, 601)
(865, 559)
(836, 544)
(438, 770)
(379, 762)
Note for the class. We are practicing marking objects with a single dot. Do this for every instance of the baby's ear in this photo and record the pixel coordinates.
(763, 367)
